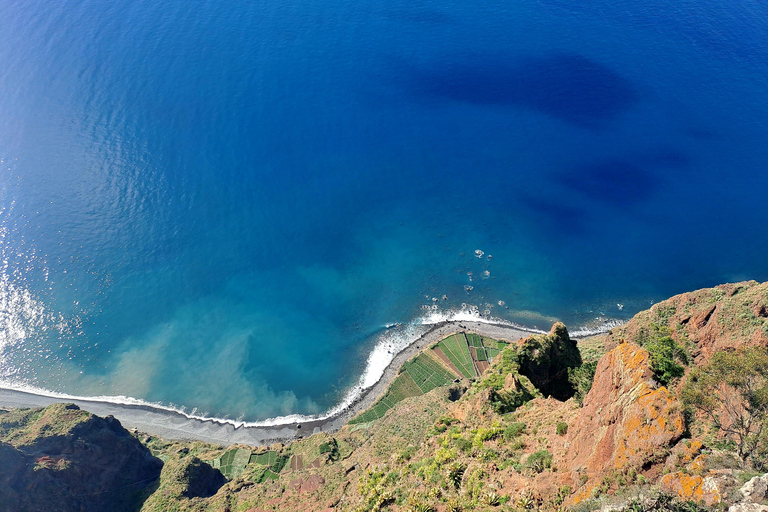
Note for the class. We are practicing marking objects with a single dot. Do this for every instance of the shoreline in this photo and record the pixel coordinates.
(173, 425)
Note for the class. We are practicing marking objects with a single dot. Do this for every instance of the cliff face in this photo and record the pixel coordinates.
(712, 320)
(64, 459)
(627, 422)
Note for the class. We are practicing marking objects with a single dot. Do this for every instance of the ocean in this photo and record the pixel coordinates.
(241, 209)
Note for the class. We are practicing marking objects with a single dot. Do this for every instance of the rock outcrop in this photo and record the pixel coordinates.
(63, 459)
(714, 319)
(546, 359)
(626, 421)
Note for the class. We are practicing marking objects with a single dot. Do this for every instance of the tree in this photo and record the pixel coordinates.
(732, 391)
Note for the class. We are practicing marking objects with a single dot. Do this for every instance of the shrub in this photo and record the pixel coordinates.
(490, 498)
(505, 401)
(489, 454)
(581, 378)
(735, 383)
(487, 434)
(464, 444)
(664, 356)
(562, 428)
(456, 473)
(539, 461)
(453, 505)
(514, 430)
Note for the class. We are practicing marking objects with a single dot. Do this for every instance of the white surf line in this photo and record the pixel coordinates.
(173, 423)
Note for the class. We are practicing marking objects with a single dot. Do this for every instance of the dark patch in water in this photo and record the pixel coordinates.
(615, 182)
(423, 16)
(669, 158)
(566, 86)
(558, 216)
(703, 133)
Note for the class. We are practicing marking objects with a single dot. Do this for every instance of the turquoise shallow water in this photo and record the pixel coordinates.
(222, 206)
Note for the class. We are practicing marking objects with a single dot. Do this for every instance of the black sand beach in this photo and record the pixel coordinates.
(176, 426)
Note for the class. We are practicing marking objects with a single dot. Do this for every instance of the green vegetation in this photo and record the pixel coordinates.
(506, 401)
(456, 349)
(545, 360)
(581, 379)
(665, 356)
(264, 459)
(233, 462)
(266, 466)
(495, 376)
(514, 430)
(562, 428)
(420, 375)
(663, 502)
(539, 461)
(456, 473)
(732, 392)
(330, 447)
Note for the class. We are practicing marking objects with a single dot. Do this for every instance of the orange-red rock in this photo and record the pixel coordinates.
(626, 420)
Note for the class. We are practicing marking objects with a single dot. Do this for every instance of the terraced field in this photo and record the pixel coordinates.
(459, 355)
(455, 347)
(420, 375)
(233, 462)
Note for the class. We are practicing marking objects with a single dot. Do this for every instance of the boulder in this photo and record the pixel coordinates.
(747, 507)
(756, 490)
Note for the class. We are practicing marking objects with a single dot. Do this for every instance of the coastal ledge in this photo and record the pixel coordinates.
(175, 426)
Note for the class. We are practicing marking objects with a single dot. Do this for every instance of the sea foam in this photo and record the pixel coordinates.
(394, 339)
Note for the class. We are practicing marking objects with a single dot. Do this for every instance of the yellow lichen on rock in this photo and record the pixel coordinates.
(692, 487)
(626, 421)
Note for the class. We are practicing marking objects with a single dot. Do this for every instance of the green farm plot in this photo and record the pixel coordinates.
(264, 459)
(233, 462)
(402, 388)
(455, 348)
(420, 375)
(424, 372)
(474, 340)
(271, 464)
(427, 373)
(489, 343)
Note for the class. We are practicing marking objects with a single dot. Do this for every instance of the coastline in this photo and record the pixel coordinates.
(173, 425)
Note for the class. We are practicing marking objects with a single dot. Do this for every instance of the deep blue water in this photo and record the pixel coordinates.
(221, 204)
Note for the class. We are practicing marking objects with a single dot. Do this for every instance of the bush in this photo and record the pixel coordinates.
(514, 430)
(487, 434)
(581, 378)
(505, 401)
(489, 454)
(464, 444)
(330, 447)
(456, 473)
(562, 428)
(664, 356)
(737, 383)
(539, 461)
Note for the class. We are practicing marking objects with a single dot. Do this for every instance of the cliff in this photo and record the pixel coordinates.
(64, 459)
(543, 423)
